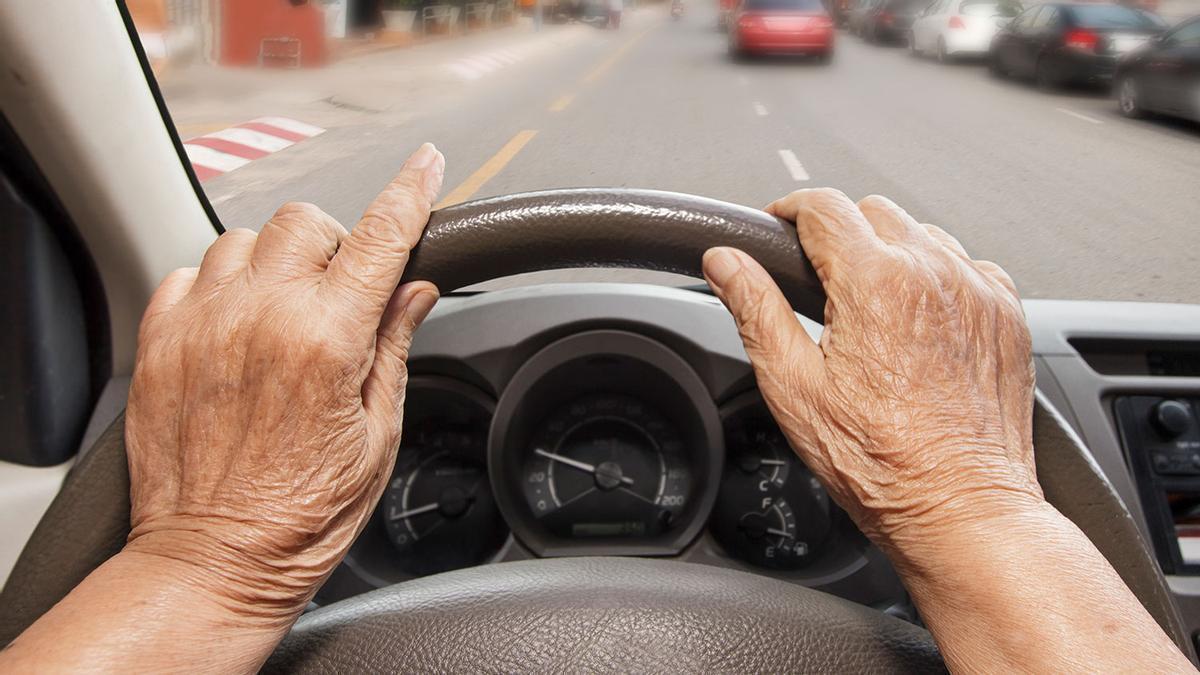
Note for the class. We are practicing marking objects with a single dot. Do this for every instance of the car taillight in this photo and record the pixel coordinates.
(957, 22)
(1083, 40)
(749, 22)
(823, 22)
(886, 17)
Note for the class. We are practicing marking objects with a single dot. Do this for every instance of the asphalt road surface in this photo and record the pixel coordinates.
(1073, 200)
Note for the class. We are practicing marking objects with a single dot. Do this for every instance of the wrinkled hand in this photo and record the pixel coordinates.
(267, 396)
(915, 407)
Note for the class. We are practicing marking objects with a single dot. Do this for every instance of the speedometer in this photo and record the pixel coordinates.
(605, 443)
(606, 466)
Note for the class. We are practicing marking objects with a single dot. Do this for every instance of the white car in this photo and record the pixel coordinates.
(954, 28)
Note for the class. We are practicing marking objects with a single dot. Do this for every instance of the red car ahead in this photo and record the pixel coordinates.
(781, 27)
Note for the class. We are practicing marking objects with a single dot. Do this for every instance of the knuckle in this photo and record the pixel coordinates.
(380, 231)
(824, 196)
(875, 203)
(241, 234)
(322, 351)
(298, 211)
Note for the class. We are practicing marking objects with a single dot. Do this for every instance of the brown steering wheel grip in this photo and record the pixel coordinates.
(589, 227)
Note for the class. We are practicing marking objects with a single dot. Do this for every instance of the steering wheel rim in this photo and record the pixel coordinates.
(496, 237)
(473, 242)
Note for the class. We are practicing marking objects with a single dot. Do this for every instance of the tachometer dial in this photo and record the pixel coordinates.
(771, 510)
(606, 466)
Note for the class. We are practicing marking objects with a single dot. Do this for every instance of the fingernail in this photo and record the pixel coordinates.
(420, 305)
(422, 158)
(720, 264)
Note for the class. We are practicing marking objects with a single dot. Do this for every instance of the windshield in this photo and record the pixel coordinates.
(321, 100)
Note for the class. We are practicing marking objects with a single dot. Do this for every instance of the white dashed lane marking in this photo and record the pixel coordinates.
(1079, 116)
(793, 165)
(760, 109)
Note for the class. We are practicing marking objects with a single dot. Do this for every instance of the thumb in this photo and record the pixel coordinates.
(782, 353)
(383, 388)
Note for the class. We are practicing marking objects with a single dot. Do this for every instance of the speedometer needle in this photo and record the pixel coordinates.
(432, 506)
(574, 463)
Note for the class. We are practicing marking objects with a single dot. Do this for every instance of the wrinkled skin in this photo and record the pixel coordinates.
(915, 411)
(266, 402)
(919, 396)
(267, 399)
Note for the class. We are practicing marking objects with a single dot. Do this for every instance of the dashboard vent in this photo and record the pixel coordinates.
(1164, 358)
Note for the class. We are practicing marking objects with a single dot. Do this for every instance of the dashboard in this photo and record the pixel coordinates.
(600, 419)
(586, 420)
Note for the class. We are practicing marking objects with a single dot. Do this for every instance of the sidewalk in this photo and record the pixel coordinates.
(380, 81)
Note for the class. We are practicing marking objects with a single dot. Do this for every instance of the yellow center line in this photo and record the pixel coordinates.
(489, 169)
(562, 103)
(616, 56)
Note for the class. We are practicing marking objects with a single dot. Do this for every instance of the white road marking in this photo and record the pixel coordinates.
(214, 159)
(475, 66)
(1080, 116)
(294, 126)
(743, 80)
(793, 165)
(254, 139)
(760, 109)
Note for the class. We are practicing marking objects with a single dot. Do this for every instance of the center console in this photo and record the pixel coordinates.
(1161, 435)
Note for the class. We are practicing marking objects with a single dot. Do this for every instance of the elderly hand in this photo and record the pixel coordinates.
(266, 402)
(915, 408)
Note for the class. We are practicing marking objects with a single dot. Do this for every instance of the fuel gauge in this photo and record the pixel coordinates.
(771, 511)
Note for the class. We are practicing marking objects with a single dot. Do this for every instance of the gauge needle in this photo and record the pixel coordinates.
(582, 466)
(414, 511)
(779, 533)
(772, 462)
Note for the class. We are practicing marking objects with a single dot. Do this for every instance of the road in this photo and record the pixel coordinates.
(1075, 201)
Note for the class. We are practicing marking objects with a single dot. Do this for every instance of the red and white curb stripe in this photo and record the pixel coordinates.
(223, 151)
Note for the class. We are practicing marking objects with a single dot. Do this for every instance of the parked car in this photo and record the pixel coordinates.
(1061, 43)
(781, 27)
(953, 28)
(889, 20)
(1164, 76)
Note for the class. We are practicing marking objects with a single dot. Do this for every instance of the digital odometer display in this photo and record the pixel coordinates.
(606, 466)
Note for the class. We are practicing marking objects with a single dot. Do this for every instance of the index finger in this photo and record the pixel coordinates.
(368, 264)
(831, 228)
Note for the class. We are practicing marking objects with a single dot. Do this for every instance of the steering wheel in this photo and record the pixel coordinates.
(588, 613)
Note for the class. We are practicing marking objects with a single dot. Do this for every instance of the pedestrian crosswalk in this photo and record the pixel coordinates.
(223, 151)
(478, 65)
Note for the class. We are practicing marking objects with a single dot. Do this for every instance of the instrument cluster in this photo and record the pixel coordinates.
(604, 442)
